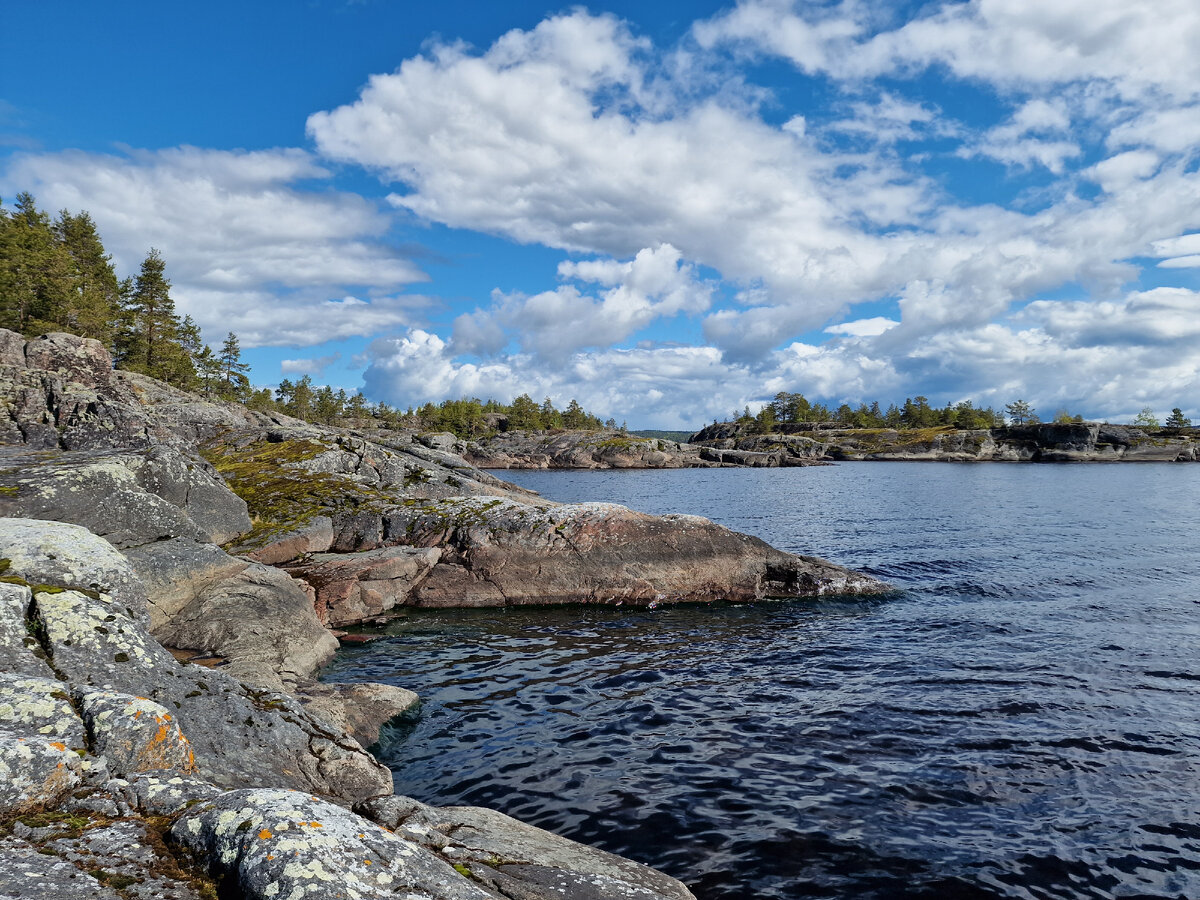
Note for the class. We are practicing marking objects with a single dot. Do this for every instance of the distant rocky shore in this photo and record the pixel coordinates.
(736, 445)
(174, 574)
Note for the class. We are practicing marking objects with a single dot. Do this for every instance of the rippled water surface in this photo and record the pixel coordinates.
(1021, 720)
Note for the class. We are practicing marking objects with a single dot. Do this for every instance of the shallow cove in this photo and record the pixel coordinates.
(1020, 722)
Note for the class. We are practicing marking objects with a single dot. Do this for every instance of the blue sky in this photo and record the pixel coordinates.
(667, 211)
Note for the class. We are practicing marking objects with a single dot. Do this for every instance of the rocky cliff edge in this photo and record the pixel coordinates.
(162, 731)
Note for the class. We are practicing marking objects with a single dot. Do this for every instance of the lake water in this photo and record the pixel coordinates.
(1021, 720)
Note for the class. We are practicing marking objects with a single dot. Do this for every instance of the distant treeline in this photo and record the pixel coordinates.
(916, 412)
(466, 418)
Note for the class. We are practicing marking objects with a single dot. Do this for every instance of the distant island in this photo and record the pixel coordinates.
(734, 444)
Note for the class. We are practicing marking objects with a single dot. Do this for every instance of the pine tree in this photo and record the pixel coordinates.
(35, 271)
(234, 383)
(208, 370)
(95, 301)
(356, 406)
(1178, 420)
(574, 417)
(301, 405)
(524, 413)
(150, 342)
(1021, 413)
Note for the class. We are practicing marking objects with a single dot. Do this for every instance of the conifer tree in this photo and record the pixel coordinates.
(1178, 420)
(208, 370)
(356, 406)
(94, 307)
(234, 383)
(35, 271)
(154, 341)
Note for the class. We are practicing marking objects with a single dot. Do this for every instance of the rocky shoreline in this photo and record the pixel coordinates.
(174, 572)
(730, 445)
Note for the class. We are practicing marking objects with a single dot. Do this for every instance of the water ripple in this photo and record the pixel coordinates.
(1020, 721)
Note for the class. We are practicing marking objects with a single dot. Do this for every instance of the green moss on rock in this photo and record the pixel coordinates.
(282, 497)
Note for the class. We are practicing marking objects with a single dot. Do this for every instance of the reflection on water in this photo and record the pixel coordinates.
(1021, 721)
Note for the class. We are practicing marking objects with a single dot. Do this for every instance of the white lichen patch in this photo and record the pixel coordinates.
(97, 629)
(282, 844)
(39, 706)
(36, 772)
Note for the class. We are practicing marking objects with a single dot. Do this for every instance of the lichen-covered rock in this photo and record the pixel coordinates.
(133, 734)
(60, 390)
(27, 874)
(350, 588)
(128, 497)
(41, 707)
(279, 844)
(95, 640)
(35, 771)
(95, 643)
(77, 359)
(69, 555)
(160, 793)
(262, 621)
(519, 860)
(126, 855)
(18, 648)
(175, 572)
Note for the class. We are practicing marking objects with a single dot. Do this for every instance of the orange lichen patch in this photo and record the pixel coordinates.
(366, 862)
(57, 746)
(265, 835)
(270, 856)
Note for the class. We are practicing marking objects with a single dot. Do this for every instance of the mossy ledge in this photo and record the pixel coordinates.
(281, 496)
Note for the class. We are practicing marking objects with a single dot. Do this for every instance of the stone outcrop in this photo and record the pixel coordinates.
(349, 588)
(1046, 442)
(510, 857)
(60, 391)
(130, 497)
(88, 628)
(124, 773)
(561, 449)
(498, 553)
